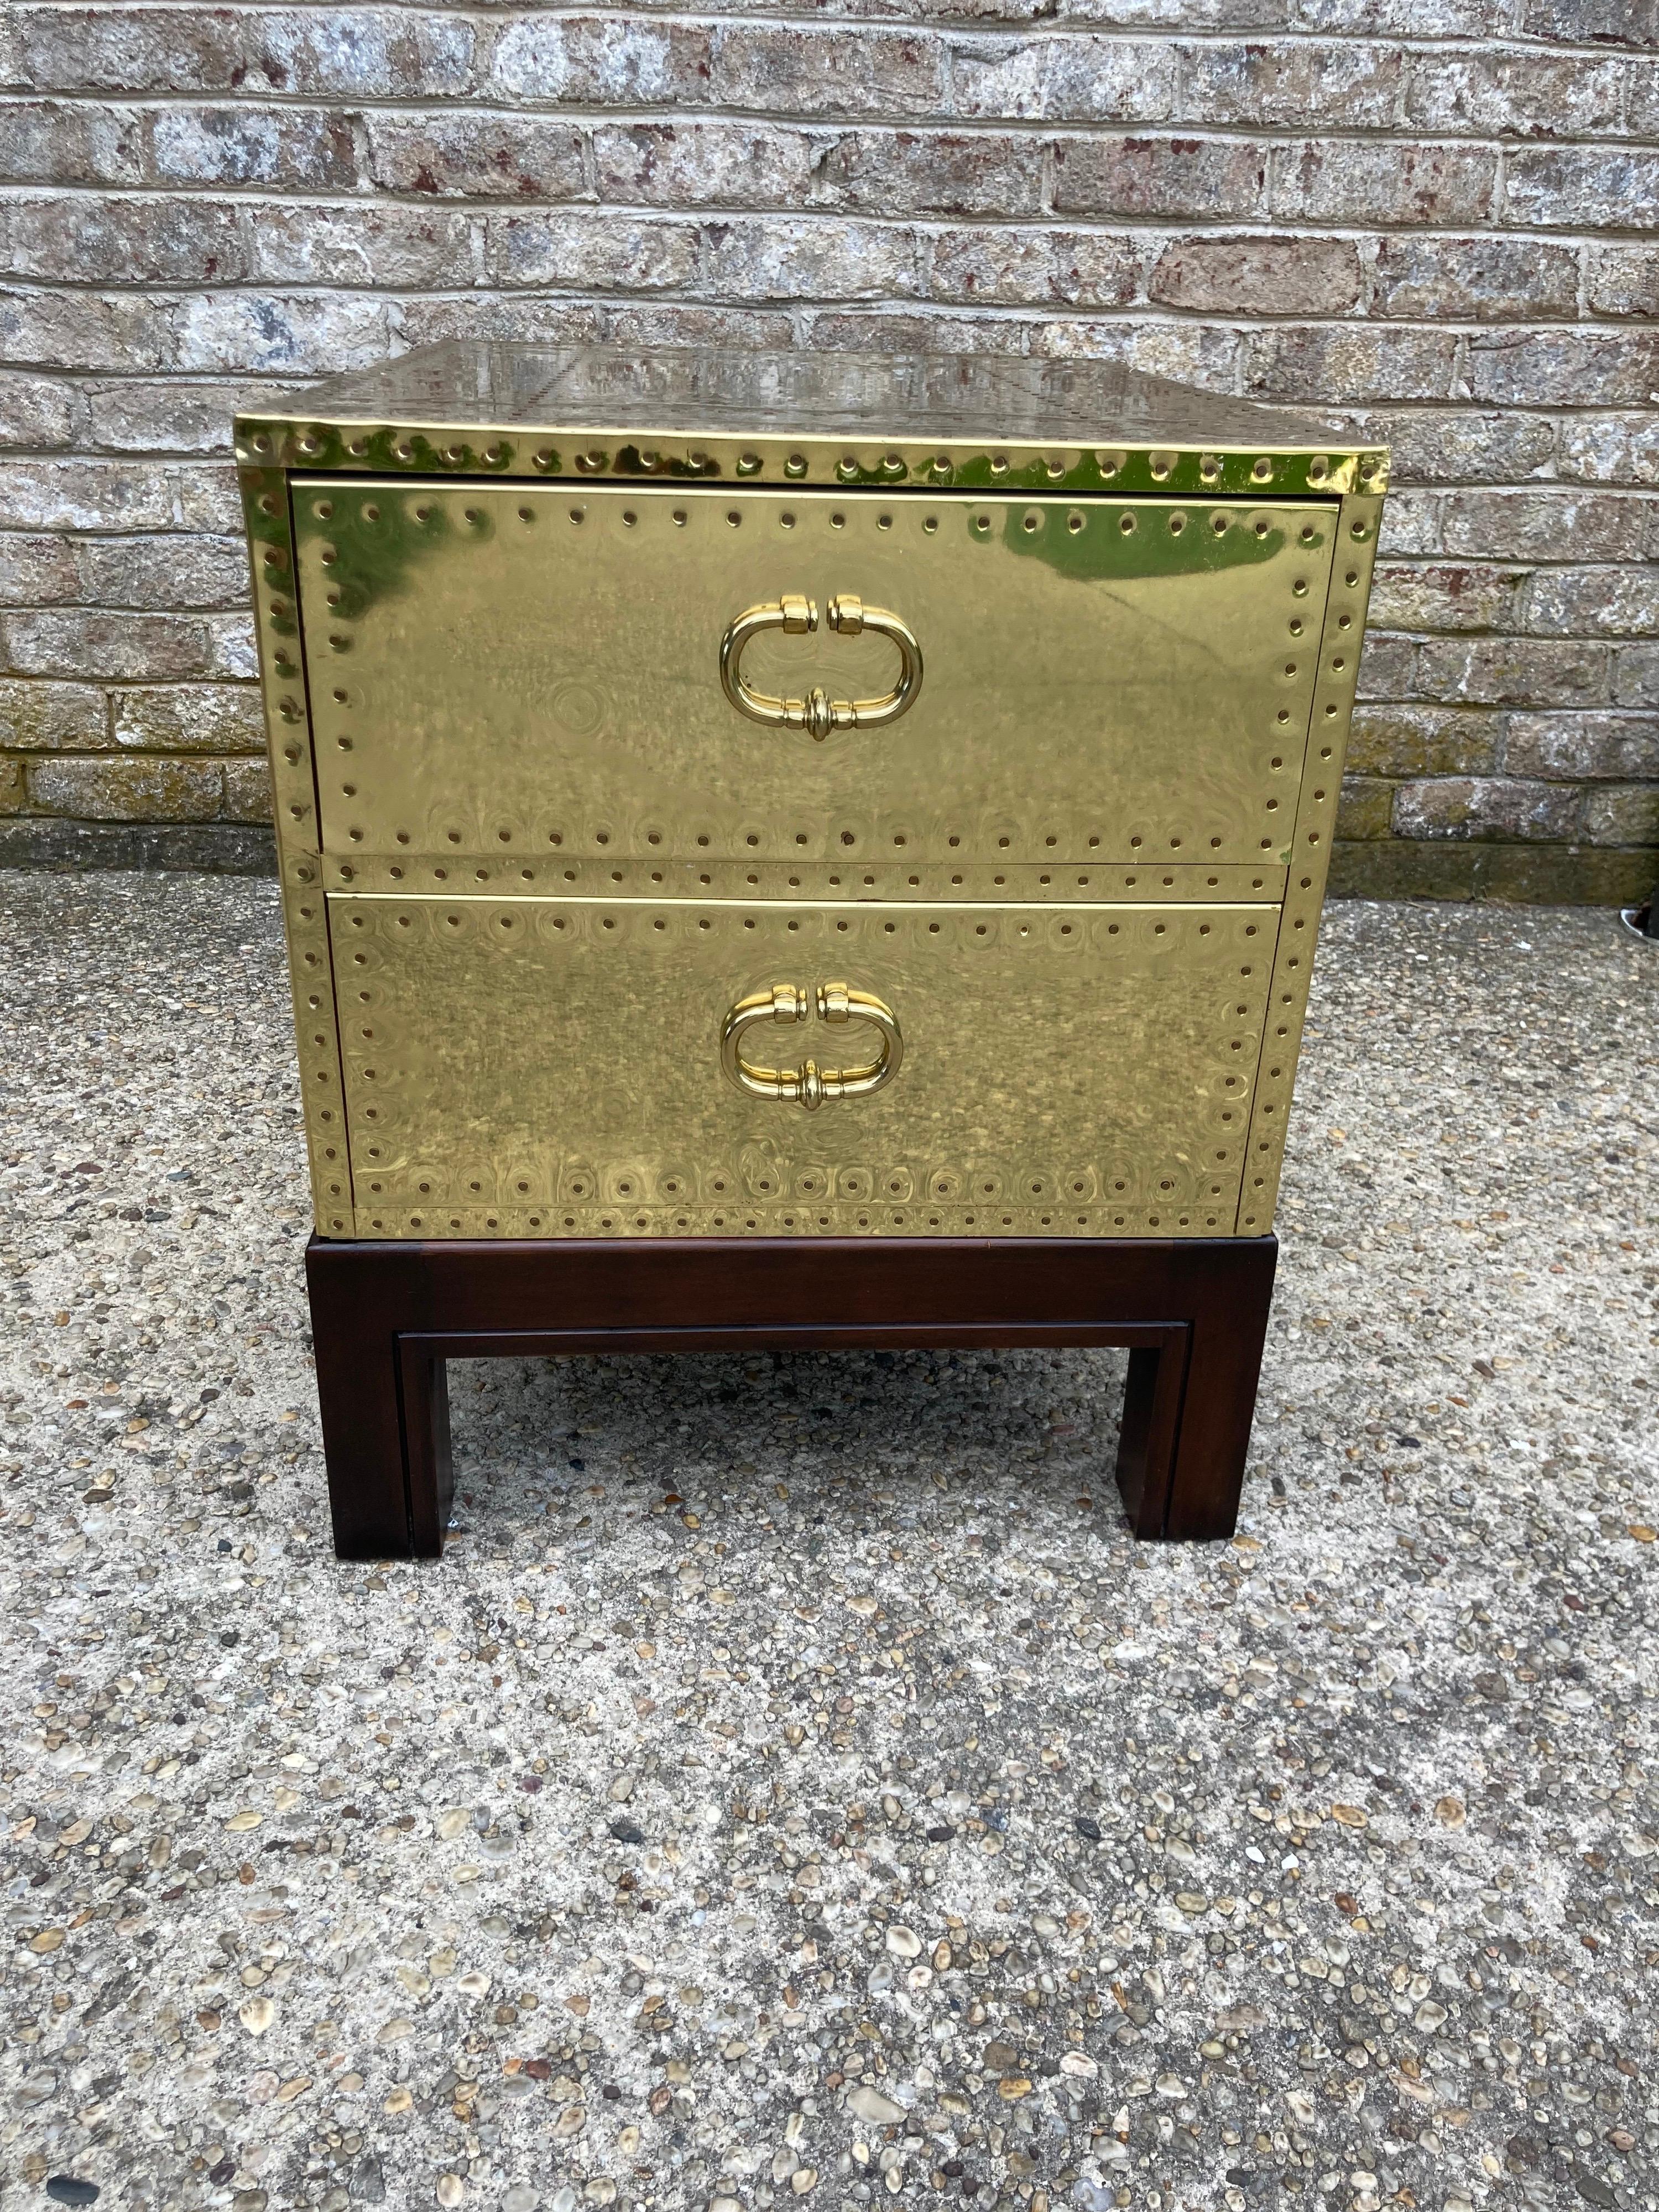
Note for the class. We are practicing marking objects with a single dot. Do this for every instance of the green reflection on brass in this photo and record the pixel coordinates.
(1104, 549)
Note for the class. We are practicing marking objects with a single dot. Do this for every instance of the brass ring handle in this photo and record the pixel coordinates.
(819, 713)
(809, 1085)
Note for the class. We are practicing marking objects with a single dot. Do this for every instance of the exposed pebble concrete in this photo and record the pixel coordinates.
(793, 1784)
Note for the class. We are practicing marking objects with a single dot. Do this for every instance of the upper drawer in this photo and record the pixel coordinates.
(532, 668)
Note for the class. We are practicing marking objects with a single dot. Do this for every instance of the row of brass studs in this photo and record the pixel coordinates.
(1287, 999)
(310, 971)
(389, 447)
(1189, 880)
(771, 1221)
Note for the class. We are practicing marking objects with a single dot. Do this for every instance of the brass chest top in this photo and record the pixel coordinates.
(972, 422)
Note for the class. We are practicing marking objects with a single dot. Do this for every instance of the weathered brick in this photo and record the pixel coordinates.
(303, 242)
(268, 332)
(247, 790)
(1594, 603)
(825, 256)
(1601, 22)
(1024, 266)
(1365, 181)
(1500, 807)
(1567, 747)
(1624, 280)
(601, 61)
(1629, 816)
(13, 789)
(1080, 78)
(1186, 352)
(1537, 875)
(583, 250)
(456, 154)
(1636, 677)
(1404, 740)
(1464, 444)
(55, 142)
(187, 718)
(298, 147)
(1571, 368)
(57, 331)
(232, 651)
(1618, 449)
(1475, 279)
(1507, 93)
(134, 788)
(939, 173)
(60, 641)
(1411, 524)
(1344, 361)
(1269, 275)
(1388, 667)
(714, 164)
(70, 494)
(1365, 808)
(1283, 81)
(1583, 187)
(1444, 595)
(328, 53)
(43, 717)
(1558, 524)
(162, 570)
(73, 237)
(1415, 19)
(36, 410)
(855, 330)
(36, 570)
(821, 70)
(1216, 179)
(1513, 671)
(175, 415)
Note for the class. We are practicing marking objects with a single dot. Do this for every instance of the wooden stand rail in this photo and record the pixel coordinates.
(385, 1317)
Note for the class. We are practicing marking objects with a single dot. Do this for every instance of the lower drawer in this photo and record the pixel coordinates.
(582, 1067)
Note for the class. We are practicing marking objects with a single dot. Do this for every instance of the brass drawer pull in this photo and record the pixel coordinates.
(819, 713)
(809, 1085)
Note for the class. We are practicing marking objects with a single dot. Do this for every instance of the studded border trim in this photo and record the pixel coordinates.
(1340, 645)
(593, 455)
(305, 915)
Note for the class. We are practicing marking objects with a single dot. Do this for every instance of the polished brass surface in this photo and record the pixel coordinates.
(550, 1068)
(818, 714)
(809, 1085)
(580, 802)
(1109, 679)
(859, 422)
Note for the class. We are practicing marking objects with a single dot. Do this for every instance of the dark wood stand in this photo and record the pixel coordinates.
(386, 1316)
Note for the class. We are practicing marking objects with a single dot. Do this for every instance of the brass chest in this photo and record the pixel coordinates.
(801, 794)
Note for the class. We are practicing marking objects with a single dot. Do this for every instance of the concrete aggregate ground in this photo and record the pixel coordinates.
(793, 1784)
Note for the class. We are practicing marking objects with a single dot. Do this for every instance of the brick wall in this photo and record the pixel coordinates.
(1437, 213)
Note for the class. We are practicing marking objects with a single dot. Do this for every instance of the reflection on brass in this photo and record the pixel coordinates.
(809, 1085)
(536, 871)
(819, 713)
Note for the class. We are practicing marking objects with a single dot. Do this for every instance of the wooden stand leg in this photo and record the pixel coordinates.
(1230, 1305)
(385, 1318)
(424, 1379)
(354, 1333)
